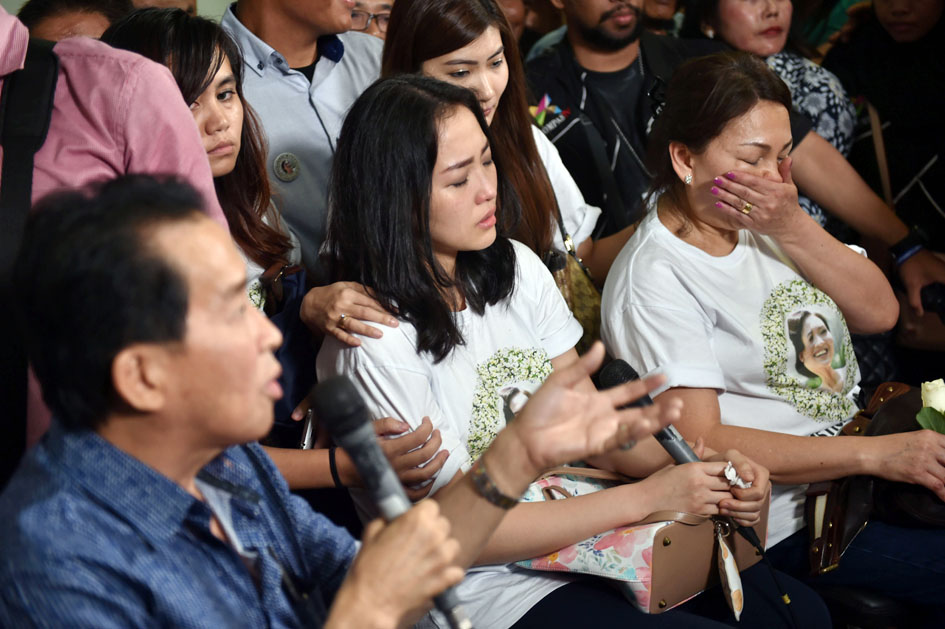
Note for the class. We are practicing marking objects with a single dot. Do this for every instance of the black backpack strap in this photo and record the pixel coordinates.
(26, 107)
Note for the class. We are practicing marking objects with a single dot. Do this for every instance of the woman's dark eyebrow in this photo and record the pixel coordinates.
(469, 62)
(764, 146)
(465, 162)
(226, 80)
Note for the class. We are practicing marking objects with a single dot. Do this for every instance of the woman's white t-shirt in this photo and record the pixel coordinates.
(468, 397)
(723, 323)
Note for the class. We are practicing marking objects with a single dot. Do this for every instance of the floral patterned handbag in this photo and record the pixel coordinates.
(659, 562)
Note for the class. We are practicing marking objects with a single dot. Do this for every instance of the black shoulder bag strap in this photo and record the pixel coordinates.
(26, 106)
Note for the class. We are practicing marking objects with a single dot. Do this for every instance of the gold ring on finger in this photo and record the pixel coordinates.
(746, 209)
(628, 445)
(341, 320)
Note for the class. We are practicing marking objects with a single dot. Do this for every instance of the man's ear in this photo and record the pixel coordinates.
(682, 159)
(140, 376)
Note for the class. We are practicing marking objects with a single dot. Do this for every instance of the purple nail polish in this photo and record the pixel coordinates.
(730, 176)
(718, 180)
(718, 204)
(715, 191)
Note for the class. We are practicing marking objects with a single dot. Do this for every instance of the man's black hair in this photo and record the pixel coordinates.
(35, 11)
(89, 283)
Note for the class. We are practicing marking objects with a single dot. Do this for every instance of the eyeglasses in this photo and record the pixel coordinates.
(360, 20)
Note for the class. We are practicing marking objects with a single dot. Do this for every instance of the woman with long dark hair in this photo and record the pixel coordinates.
(470, 43)
(479, 313)
(207, 66)
(208, 69)
(708, 290)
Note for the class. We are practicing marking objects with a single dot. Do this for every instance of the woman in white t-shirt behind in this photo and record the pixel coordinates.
(714, 285)
(420, 217)
(470, 43)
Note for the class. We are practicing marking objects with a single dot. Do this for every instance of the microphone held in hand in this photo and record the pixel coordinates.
(339, 406)
(618, 372)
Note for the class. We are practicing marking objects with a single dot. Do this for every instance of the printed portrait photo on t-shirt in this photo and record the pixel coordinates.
(809, 359)
(818, 361)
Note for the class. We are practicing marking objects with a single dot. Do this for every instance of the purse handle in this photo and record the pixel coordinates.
(690, 519)
(587, 472)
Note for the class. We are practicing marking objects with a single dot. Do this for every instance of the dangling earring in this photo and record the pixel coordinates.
(709, 32)
(688, 179)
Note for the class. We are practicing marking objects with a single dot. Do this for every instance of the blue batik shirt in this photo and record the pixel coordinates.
(92, 537)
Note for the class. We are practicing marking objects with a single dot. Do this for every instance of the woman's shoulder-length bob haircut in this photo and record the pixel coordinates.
(379, 223)
(702, 97)
(421, 30)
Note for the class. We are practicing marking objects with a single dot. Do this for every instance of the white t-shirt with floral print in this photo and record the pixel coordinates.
(468, 397)
(746, 324)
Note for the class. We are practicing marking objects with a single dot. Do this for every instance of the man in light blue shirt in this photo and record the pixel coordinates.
(303, 73)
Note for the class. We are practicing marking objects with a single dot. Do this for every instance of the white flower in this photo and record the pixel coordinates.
(933, 395)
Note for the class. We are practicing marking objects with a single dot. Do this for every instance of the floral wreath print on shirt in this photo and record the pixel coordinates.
(823, 397)
(504, 382)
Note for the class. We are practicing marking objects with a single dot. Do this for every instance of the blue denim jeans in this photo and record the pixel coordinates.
(904, 563)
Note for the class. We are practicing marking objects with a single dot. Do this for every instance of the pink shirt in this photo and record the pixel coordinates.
(114, 113)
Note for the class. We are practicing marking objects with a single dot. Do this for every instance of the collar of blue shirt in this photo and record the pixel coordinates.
(131, 490)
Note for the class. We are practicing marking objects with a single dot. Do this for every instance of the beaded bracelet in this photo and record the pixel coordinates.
(487, 489)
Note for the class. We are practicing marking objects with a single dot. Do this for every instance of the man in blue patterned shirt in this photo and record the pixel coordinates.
(137, 509)
(141, 508)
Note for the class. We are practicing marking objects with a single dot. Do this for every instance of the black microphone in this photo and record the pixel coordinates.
(338, 404)
(618, 372)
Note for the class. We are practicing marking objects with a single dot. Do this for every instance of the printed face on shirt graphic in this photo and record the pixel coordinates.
(479, 66)
(604, 24)
(755, 142)
(818, 343)
(816, 351)
(464, 182)
(756, 26)
(218, 112)
(222, 378)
